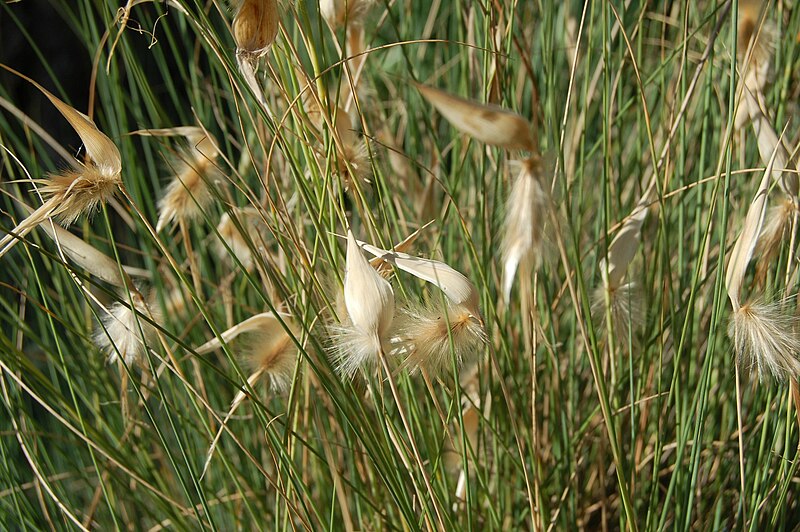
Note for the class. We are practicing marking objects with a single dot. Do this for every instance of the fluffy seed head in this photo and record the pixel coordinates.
(271, 350)
(187, 195)
(240, 244)
(432, 337)
(523, 235)
(125, 332)
(255, 26)
(78, 192)
(626, 306)
(765, 337)
(369, 301)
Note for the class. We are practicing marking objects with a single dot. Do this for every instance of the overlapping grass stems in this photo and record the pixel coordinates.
(578, 374)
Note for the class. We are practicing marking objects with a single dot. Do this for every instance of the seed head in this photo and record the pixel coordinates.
(489, 124)
(125, 332)
(188, 193)
(765, 337)
(241, 244)
(523, 230)
(369, 300)
(431, 338)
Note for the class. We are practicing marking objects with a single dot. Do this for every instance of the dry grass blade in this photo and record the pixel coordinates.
(489, 124)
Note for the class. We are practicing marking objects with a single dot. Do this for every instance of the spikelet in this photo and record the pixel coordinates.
(240, 245)
(188, 193)
(771, 146)
(765, 337)
(626, 308)
(81, 189)
(430, 338)
(489, 124)
(456, 287)
(523, 228)
(754, 49)
(255, 27)
(369, 301)
(125, 332)
(270, 353)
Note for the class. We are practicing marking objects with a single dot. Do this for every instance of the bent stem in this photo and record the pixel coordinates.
(412, 441)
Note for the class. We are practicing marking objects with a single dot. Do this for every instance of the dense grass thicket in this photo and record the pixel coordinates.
(615, 180)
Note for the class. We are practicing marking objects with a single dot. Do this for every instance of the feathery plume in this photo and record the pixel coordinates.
(765, 336)
(489, 124)
(369, 300)
(125, 331)
(431, 337)
(523, 228)
(188, 193)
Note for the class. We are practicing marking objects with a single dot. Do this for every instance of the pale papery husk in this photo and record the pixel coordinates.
(255, 26)
(524, 224)
(490, 124)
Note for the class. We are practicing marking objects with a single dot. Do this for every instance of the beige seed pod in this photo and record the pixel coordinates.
(489, 124)
(88, 257)
(255, 26)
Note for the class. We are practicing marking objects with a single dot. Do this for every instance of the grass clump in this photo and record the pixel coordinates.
(340, 212)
